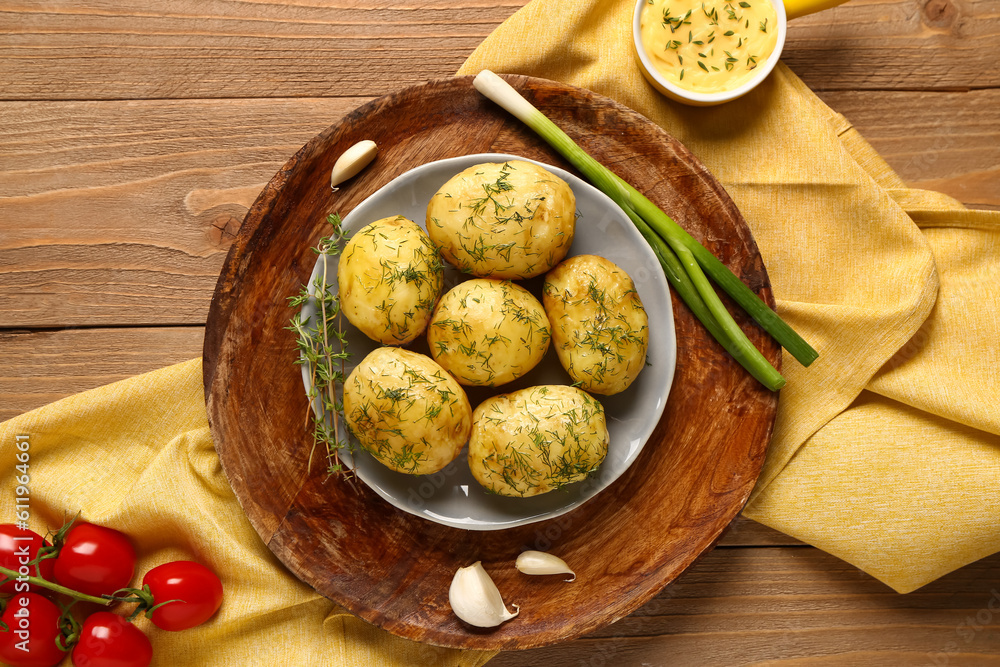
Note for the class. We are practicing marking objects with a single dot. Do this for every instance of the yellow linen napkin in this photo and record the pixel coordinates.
(885, 451)
(137, 456)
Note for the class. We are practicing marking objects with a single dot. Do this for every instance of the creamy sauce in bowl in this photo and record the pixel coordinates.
(709, 46)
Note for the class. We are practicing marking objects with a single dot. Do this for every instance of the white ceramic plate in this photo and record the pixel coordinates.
(452, 496)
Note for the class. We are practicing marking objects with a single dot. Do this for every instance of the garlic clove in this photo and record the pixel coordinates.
(539, 562)
(476, 599)
(353, 160)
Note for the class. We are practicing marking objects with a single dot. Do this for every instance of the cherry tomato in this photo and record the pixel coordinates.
(108, 640)
(30, 641)
(17, 548)
(196, 587)
(95, 560)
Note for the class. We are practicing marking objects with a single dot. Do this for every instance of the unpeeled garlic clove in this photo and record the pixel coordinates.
(353, 160)
(476, 599)
(539, 562)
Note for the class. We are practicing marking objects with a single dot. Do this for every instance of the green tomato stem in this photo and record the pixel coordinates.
(45, 583)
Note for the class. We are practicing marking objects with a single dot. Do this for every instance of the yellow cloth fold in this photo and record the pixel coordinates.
(138, 456)
(885, 450)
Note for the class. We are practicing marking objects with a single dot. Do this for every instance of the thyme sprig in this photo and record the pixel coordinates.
(322, 345)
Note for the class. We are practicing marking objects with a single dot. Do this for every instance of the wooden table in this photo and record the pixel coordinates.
(135, 135)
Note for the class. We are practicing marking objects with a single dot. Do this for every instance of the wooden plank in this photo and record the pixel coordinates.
(794, 606)
(141, 49)
(897, 45)
(949, 142)
(120, 213)
(59, 49)
(743, 532)
(39, 367)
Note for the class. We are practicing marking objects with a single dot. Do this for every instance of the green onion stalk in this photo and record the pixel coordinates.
(684, 260)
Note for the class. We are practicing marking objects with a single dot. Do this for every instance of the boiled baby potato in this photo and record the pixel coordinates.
(389, 277)
(503, 220)
(537, 439)
(488, 332)
(406, 411)
(599, 327)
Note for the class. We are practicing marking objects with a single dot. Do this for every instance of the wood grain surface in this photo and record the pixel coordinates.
(382, 563)
(137, 134)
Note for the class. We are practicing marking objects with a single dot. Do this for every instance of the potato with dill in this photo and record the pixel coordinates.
(488, 332)
(537, 439)
(600, 329)
(406, 411)
(503, 220)
(389, 278)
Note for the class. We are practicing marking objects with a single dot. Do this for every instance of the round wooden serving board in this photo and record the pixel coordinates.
(390, 567)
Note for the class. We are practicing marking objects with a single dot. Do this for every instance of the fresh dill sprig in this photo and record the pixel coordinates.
(322, 345)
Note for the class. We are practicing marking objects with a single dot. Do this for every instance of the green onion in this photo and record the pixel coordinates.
(734, 340)
(683, 259)
(727, 280)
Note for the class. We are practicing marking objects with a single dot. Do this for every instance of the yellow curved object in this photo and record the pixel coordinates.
(796, 8)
